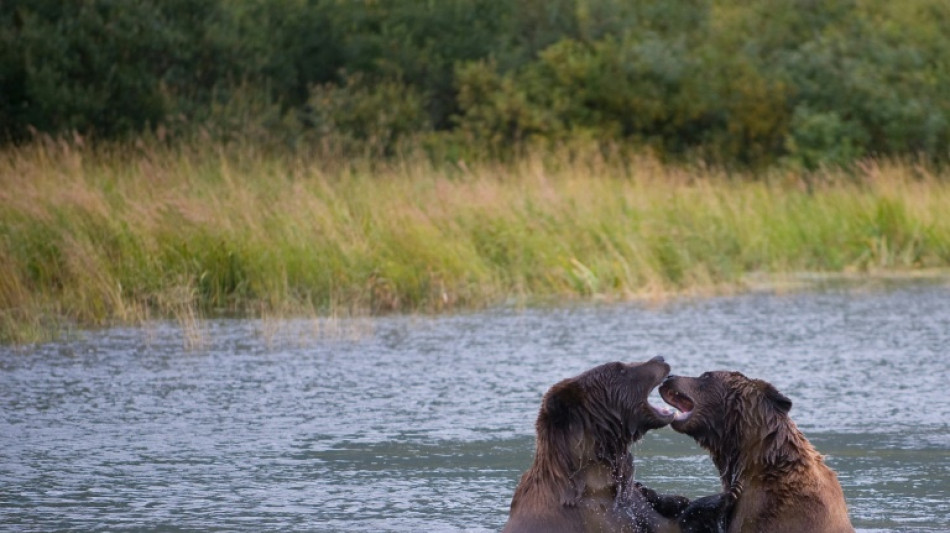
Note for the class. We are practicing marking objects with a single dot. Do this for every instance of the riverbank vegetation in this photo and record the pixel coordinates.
(728, 82)
(189, 158)
(122, 234)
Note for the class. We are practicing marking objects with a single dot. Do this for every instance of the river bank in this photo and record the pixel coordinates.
(93, 237)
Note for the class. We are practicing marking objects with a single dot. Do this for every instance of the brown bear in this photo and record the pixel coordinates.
(582, 476)
(780, 481)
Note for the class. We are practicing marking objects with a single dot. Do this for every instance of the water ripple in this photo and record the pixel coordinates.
(409, 423)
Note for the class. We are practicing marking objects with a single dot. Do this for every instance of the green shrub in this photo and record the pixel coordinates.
(728, 82)
(366, 117)
(817, 139)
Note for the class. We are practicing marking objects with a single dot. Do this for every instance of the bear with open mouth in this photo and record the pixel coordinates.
(582, 477)
(773, 478)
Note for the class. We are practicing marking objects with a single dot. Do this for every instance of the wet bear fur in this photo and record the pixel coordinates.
(582, 476)
(779, 482)
(708, 514)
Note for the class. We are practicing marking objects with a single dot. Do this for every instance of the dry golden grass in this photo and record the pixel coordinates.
(125, 234)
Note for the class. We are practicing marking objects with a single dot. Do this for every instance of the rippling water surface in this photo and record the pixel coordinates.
(425, 424)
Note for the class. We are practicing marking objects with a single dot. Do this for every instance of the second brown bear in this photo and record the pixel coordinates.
(786, 487)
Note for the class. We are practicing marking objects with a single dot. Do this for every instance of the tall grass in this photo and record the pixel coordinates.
(126, 234)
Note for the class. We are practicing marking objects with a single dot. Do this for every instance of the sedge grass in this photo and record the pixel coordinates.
(93, 237)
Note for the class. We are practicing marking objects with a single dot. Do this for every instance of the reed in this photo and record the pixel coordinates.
(125, 234)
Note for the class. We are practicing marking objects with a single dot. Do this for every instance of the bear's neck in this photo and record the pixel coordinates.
(597, 479)
(758, 452)
(568, 477)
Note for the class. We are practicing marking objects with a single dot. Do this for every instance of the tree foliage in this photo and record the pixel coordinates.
(732, 82)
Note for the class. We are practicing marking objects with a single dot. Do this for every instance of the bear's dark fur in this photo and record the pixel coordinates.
(582, 476)
(780, 482)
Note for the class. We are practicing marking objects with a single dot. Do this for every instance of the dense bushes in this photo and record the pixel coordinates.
(726, 81)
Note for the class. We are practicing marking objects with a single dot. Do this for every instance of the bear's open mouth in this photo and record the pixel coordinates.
(682, 403)
(662, 412)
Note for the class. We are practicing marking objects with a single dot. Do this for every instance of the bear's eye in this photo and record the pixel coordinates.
(705, 375)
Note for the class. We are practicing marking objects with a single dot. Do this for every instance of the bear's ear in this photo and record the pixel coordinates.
(779, 400)
(561, 401)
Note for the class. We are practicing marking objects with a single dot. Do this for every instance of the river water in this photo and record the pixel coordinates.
(425, 423)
